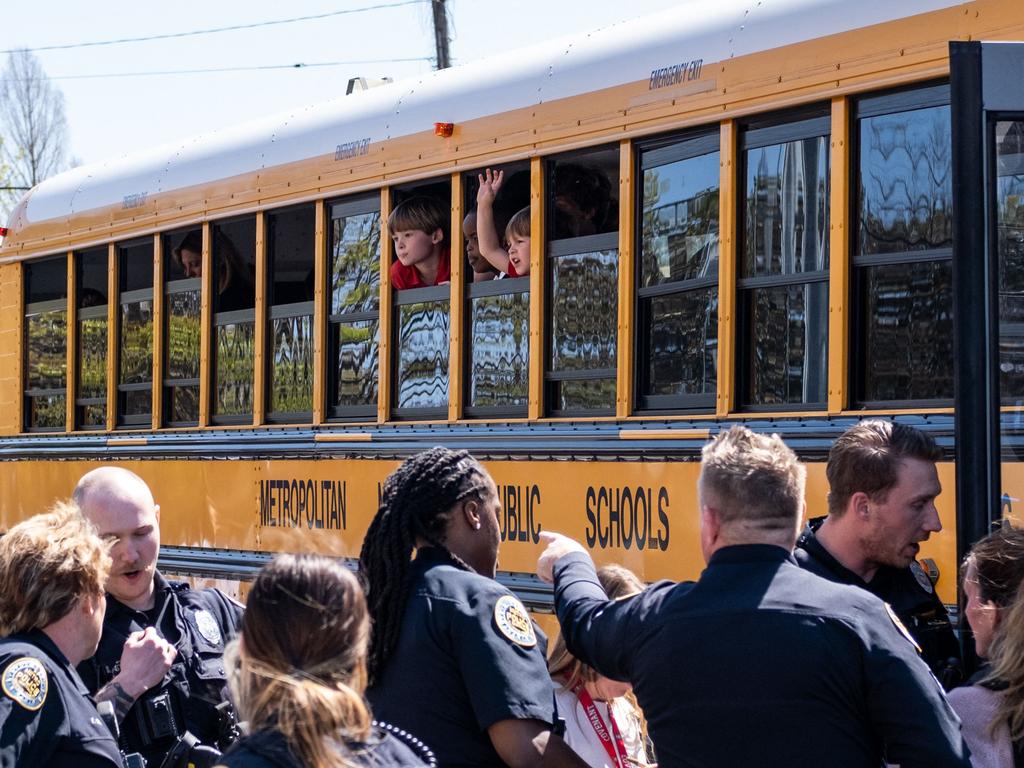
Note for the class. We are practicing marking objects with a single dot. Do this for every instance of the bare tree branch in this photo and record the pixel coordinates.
(33, 129)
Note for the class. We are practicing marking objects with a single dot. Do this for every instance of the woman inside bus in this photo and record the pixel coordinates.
(298, 672)
(602, 724)
(991, 706)
(455, 657)
(236, 283)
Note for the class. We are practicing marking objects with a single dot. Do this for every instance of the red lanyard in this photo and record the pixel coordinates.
(603, 732)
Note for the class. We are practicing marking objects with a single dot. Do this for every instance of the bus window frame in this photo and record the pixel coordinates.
(572, 246)
(293, 310)
(39, 307)
(429, 187)
(234, 317)
(811, 121)
(652, 153)
(172, 288)
(353, 205)
(509, 286)
(98, 311)
(133, 421)
(417, 296)
(1005, 331)
(506, 286)
(877, 104)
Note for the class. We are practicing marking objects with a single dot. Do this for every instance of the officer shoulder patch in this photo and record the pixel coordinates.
(207, 626)
(514, 622)
(25, 681)
(922, 578)
(901, 627)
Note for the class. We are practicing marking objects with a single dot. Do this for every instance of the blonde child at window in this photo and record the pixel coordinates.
(514, 260)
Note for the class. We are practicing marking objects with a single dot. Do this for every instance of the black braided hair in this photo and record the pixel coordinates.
(415, 503)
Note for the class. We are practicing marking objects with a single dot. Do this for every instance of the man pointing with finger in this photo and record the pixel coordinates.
(758, 662)
(160, 658)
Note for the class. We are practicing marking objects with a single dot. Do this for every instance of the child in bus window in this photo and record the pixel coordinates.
(482, 269)
(515, 260)
(517, 234)
(422, 257)
(583, 202)
(236, 282)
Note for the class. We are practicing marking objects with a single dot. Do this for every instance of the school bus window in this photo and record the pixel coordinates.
(290, 260)
(234, 264)
(419, 226)
(583, 266)
(498, 304)
(677, 285)
(135, 372)
(183, 268)
(46, 298)
(1009, 205)
(91, 291)
(902, 260)
(783, 270)
(354, 310)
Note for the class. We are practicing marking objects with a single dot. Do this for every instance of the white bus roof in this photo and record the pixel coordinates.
(619, 54)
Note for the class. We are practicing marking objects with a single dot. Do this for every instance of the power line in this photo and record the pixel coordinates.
(298, 65)
(254, 25)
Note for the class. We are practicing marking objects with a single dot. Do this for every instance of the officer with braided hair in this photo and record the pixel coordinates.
(454, 656)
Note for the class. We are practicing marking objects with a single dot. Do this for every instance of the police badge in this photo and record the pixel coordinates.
(922, 578)
(207, 626)
(514, 622)
(25, 681)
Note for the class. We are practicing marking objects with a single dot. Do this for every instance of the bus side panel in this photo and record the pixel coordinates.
(643, 515)
(10, 348)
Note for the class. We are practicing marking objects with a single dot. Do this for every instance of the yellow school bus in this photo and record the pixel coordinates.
(737, 216)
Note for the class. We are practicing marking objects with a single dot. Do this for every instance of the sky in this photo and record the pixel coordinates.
(115, 114)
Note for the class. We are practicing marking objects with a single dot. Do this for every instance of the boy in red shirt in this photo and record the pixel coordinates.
(422, 257)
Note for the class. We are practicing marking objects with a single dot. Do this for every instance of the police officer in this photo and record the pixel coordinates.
(183, 711)
(52, 569)
(881, 503)
(454, 657)
(758, 662)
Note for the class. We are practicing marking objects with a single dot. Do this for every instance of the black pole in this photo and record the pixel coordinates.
(975, 312)
(441, 39)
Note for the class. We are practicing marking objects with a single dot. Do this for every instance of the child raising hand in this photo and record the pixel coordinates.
(516, 260)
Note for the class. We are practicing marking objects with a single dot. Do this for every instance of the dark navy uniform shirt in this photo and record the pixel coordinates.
(468, 656)
(46, 715)
(910, 593)
(198, 623)
(760, 663)
(268, 749)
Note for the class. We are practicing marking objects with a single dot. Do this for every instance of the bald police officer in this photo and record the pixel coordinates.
(181, 697)
(758, 662)
(881, 504)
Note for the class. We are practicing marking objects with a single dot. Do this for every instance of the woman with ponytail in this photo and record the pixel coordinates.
(454, 656)
(298, 672)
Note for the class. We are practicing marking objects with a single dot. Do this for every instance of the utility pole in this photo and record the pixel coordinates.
(441, 39)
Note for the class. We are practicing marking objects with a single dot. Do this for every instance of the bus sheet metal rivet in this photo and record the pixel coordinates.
(444, 130)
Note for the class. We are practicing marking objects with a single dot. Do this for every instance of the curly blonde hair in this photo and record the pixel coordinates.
(47, 564)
